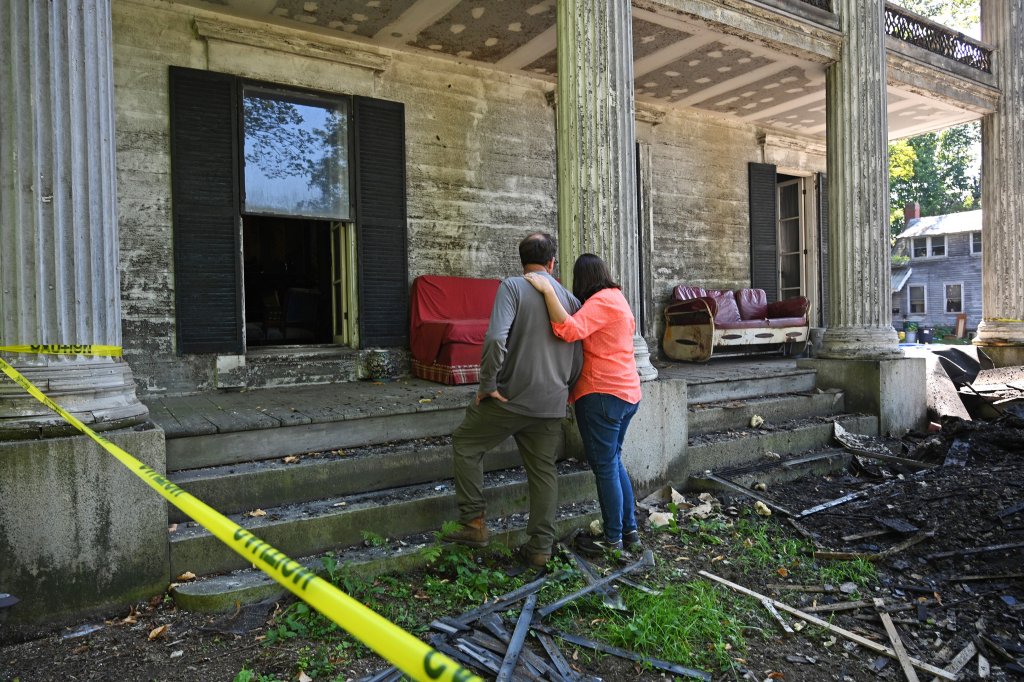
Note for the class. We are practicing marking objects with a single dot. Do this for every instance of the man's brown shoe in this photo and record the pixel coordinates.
(472, 534)
(534, 559)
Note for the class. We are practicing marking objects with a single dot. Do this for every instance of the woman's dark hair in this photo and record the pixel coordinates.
(589, 276)
(537, 249)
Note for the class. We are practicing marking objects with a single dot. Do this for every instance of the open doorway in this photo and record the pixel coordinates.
(288, 283)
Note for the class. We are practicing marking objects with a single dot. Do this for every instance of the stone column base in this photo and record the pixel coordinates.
(1004, 355)
(644, 368)
(860, 343)
(79, 532)
(99, 391)
(895, 390)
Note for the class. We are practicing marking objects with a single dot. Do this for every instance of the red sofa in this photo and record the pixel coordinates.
(699, 322)
(448, 322)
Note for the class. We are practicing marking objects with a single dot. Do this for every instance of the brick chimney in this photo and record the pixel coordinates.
(911, 211)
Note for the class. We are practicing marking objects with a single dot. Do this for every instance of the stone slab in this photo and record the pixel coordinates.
(895, 390)
(79, 532)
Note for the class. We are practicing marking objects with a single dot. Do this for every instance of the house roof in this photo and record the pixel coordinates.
(899, 278)
(951, 223)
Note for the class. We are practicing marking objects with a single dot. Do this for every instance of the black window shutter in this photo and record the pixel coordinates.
(204, 195)
(821, 189)
(764, 251)
(381, 233)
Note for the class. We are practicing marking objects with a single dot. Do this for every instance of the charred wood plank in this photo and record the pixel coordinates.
(515, 645)
(646, 561)
(863, 641)
(896, 641)
(974, 550)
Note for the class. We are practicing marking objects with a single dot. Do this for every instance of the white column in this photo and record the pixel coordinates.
(1002, 180)
(596, 146)
(858, 177)
(59, 276)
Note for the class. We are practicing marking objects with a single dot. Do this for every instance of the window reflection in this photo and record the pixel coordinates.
(296, 155)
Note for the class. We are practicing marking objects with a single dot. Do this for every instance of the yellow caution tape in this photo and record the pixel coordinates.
(62, 349)
(412, 656)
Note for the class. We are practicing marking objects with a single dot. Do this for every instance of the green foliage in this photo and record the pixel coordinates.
(690, 623)
(962, 15)
(859, 571)
(373, 539)
(246, 675)
(765, 547)
(459, 577)
(938, 170)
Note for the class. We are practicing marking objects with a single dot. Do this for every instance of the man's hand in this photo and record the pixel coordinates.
(480, 397)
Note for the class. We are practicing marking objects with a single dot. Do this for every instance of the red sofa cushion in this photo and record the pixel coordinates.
(727, 312)
(791, 307)
(446, 309)
(685, 293)
(753, 304)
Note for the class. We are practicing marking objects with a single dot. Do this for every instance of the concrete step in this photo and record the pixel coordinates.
(276, 366)
(221, 428)
(234, 488)
(725, 387)
(223, 593)
(774, 409)
(313, 527)
(730, 449)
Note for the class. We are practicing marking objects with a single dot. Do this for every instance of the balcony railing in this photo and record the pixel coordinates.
(916, 30)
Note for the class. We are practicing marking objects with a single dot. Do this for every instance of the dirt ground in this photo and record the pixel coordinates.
(930, 532)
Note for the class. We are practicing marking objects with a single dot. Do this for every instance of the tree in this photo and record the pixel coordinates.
(938, 170)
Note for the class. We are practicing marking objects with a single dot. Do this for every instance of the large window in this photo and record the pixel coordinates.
(917, 295)
(296, 155)
(954, 297)
(928, 247)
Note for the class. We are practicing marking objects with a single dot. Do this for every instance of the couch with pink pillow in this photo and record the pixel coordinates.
(448, 321)
(700, 322)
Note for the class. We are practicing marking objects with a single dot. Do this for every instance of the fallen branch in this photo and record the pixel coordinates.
(867, 643)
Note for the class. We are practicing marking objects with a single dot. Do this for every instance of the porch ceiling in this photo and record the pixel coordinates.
(679, 61)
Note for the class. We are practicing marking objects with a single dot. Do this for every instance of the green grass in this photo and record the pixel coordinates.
(690, 623)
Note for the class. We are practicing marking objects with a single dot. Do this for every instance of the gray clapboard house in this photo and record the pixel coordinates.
(936, 274)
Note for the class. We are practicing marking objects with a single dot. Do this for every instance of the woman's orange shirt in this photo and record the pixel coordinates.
(606, 326)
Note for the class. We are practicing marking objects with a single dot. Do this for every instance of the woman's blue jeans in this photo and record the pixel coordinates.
(603, 420)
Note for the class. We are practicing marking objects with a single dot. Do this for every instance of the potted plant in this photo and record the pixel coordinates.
(910, 328)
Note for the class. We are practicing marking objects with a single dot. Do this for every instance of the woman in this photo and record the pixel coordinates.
(606, 395)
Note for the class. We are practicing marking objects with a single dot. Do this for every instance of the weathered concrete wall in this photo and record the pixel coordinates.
(79, 532)
(480, 164)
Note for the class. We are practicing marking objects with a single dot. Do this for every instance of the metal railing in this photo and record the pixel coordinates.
(916, 30)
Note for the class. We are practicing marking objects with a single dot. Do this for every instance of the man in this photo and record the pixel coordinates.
(525, 375)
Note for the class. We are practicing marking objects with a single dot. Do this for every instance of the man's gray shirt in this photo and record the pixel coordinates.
(522, 358)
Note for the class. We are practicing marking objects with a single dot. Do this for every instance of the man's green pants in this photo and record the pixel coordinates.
(484, 427)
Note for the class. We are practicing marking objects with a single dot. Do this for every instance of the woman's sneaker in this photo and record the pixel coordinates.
(631, 542)
(587, 545)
